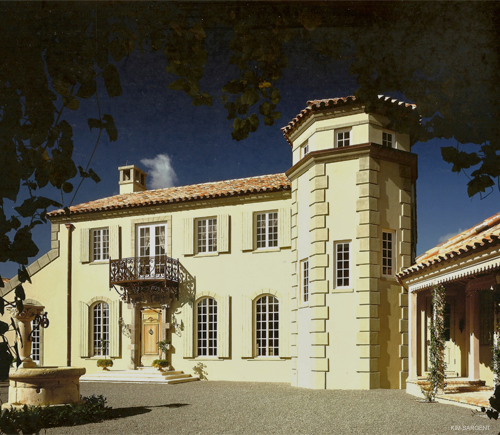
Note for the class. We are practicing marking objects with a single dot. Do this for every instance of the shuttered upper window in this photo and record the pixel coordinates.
(100, 244)
(267, 230)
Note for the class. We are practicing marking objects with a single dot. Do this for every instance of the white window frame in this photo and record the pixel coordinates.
(340, 260)
(206, 327)
(206, 241)
(152, 250)
(100, 244)
(304, 281)
(388, 253)
(388, 139)
(267, 306)
(267, 233)
(341, 141)
(305, 149)
(100, 328)
(36, 343)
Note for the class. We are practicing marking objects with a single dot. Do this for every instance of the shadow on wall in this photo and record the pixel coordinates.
(199, 370)
(187, 287)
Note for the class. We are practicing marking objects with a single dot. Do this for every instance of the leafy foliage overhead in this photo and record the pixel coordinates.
(440, 55)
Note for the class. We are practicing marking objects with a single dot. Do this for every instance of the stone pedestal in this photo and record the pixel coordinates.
(24, 320)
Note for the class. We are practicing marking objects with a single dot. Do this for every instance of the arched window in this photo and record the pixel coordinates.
(207, 327)
(101, 329)
(267, 326)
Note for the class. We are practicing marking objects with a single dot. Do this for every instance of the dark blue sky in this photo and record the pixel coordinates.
(153, 120)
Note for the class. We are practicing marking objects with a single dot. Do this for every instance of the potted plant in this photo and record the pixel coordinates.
(104, 362)
(160, 364)
(163, 346)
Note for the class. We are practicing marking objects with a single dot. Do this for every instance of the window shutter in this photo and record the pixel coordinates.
(223, 333)
(223, 233)
(247, 319)
(114, 329)
(188, 236)
(188, 330)
(285, 228)
(284, 326)
(84, 329)
(84, 245)
(247, 232)
(114, 242)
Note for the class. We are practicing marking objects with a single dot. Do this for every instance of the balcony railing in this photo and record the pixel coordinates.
(144, 270)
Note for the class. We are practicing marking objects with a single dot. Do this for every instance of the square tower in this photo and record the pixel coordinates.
(353, 228)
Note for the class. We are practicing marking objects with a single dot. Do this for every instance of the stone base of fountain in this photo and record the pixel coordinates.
(43, 386)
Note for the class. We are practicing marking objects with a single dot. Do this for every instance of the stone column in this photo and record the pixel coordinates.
(472, 314)
(24, 319)
(294, 303)
(134, 342)
(369, 273)
(318, 282)
(413, 326)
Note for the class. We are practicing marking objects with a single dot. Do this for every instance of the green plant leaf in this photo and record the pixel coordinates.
(109, 125)
(112, 81)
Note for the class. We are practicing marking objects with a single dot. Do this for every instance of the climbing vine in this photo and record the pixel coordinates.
(495, 348)
(436, 376)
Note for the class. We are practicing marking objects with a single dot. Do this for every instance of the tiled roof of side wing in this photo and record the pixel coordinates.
(218, 189)
(315, 105)
(484, 234)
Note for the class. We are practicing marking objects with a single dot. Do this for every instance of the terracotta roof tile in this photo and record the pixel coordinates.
(218, 189)
(481, 235)
(315, 105)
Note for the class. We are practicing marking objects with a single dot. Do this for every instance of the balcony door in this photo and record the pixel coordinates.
(152, 250)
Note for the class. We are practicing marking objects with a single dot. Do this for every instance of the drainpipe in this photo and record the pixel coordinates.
(70, 228)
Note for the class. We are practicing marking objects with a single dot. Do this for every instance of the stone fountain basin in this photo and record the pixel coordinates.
(42, 386)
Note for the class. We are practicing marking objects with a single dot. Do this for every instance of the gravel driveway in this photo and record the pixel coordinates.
(263, 408)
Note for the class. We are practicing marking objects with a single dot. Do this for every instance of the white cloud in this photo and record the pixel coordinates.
(449, 236)
(160, 172)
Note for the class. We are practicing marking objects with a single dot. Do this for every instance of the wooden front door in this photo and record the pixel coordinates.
(451, 350)
(150, 335)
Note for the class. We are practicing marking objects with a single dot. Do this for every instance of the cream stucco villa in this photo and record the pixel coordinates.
(278, 278)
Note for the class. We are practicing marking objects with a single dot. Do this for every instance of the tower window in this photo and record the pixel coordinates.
(343, 138)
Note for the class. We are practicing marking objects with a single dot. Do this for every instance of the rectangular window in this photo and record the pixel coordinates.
(304, 280)
(388, 253)
(387, 140)
(35, 342)
(343, 138)
(305, 149)
(342, 264)
(100, 244)
(267, 230)
(207, 235)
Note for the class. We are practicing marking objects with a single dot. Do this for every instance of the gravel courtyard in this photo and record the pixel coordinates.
(265, 408)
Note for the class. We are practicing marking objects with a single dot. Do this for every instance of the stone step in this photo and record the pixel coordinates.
(179, 381)
(140, 376)
(179, 376)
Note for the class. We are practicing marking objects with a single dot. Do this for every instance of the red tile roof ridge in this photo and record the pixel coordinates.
(191, 192)
(313, 105)
(485, 233)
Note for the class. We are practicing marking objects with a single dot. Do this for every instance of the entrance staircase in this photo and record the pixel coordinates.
(455, 385)
(143, 375)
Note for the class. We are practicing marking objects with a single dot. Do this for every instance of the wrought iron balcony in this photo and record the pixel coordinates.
(142, 276)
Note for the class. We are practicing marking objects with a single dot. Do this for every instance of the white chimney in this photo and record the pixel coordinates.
(132, 179)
